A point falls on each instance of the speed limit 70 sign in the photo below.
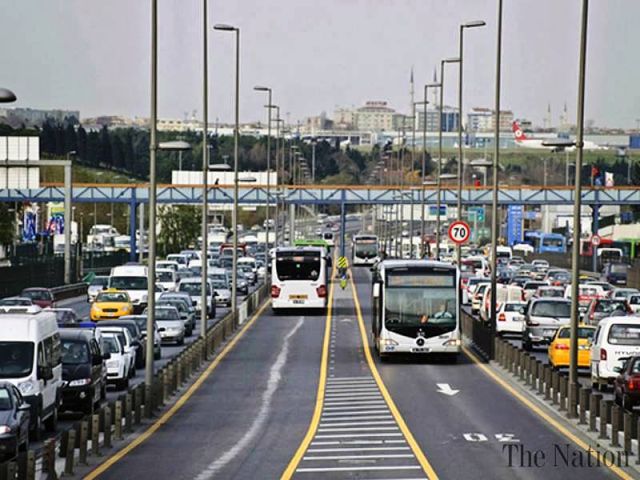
(459, 232)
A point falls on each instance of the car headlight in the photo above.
(112, 364)
(126, 308)
(5, 429)
(26, 388)
(81, 382)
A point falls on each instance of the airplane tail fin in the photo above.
(517, 132)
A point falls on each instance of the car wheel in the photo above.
(103, 391)
(181, 341)
(88, 407)
(51, 423)
(157, 355)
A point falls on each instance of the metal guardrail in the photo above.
(478, 333)
(69, 291)
(88, 438)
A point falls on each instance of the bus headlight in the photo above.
(454, 342)
(389, 342)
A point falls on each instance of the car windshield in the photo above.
(624, 334)
(178, 259)
(532, 285)
(551, 309)
(5, 399)
(173, 303)
(36, 294)
(618, 268)
(551, 292)
(99, 281)
(16, 301)
(583, 332)
(167, 314)
(609, 306)
(111, 344)
(164, 276)
(514, 307)
(16, 359)
(219, 284)
(74, 352)
(119, 297)
(129, 283)
(65, 316)
(193, 288)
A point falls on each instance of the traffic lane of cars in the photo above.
(456, 411)
(82, 307)
(249, 415)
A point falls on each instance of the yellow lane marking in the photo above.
(109, 462)
(537, 410)
(317, 412)
(417, 451)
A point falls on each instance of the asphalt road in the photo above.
(253, 413)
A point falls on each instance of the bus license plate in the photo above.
(420, 350)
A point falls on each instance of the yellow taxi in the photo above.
(110, 304)
(559, 346)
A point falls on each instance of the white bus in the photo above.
(365, 250)
(298, 278)
(415, 308)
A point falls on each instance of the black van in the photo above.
(83, 370)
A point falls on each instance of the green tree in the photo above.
(7, 225)
(179, 226)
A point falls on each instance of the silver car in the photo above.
(96, 285)
(544, 316)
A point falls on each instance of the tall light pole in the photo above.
(496, 165)
(236, 134)
(423, 171)
(474, 24)
(205, 170)
(439, 186)
(269, 108)
(577, 206)
(151, 314)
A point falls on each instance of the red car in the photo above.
(626, 386)
(39, 296)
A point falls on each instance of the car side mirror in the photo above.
(136, 343)
(24, 407)
(106, 356)
(161, 329)
(617, 369)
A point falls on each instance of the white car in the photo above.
(118, 363)
(181, 260)
(167, 278)
(616, 338)
(163, 264)
(129, 346)
(193, 286)
(170, 325)
(477, 297)
(511, 318)
(18, 305)
(634, 302)
(470, 287)
(504, 293)
(623, 293)
(541, 263)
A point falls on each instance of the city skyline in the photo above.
(52, 67)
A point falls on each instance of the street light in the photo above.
(439, 189)
(7, 96)
(472, 24)
(267, 216)
(236, 133)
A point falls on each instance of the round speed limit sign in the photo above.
(459, 232)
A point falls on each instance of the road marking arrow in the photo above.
(446, 389)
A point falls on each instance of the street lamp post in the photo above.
(439, 186)
(153, 145)
(269, 108)
(577, 206)
(474, 24)
(236, 133)
(496, 164)
(205, 170)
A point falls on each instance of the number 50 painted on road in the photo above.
(459, 232)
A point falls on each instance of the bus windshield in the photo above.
(366, 248)
(420, 301)
(298, 266)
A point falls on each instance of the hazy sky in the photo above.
(93, 55)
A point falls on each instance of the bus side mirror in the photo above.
(376, 290)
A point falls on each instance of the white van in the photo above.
(30, 358)
(504, 293)
(616, 339)
(133, 279)
(167, 278)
